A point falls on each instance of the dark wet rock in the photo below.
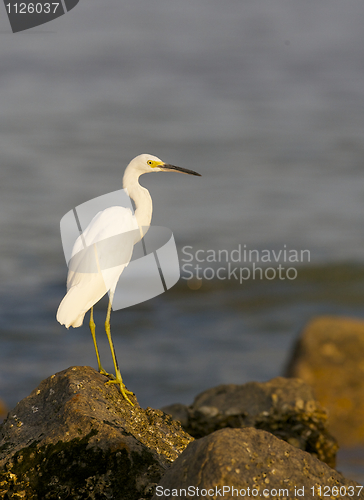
(285, 407)
(74, 437)
(256, 464)
(330, 357)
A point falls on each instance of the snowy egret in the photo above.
(84, 289)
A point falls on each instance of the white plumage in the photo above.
(84, 287)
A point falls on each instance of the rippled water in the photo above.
(264, 99)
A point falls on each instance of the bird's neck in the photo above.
(141, 198)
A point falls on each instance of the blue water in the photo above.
(263, 98)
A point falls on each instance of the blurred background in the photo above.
(265, 99)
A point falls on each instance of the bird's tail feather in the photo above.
(75, 304)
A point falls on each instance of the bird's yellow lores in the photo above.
(84, 289)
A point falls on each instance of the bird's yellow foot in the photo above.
(124, 391)
(104, 372)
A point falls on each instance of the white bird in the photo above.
(87, 280)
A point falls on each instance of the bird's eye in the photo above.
(150, 162)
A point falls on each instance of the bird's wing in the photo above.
(109, 240)
(95, 268)
(105, 224)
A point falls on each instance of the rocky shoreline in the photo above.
(76, 438)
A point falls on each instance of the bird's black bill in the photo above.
(173, 168)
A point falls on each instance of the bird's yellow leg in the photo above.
(93, 333)
(118, 380)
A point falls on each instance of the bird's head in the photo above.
(148, 163)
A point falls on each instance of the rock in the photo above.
(74, 437)
(285, 407)
(179, 412)
(330, 357)
(256, 464)
(3, 410)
